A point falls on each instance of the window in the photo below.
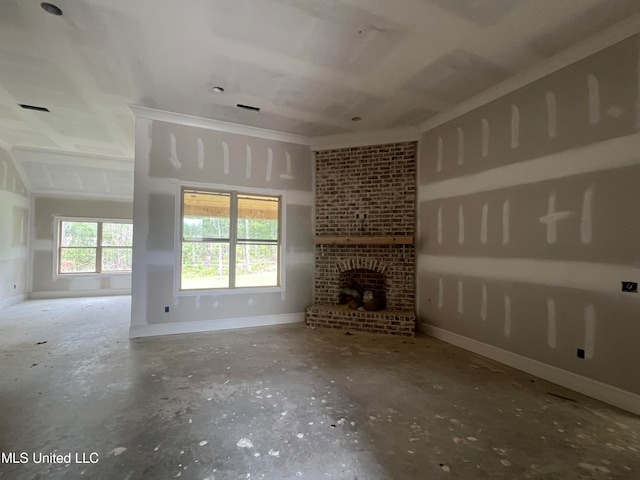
(229, 240)
(92, 246)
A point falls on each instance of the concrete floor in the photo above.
(282, 403)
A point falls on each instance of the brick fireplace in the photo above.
(365, 222)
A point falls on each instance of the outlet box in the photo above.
(166, 309)
(581, 353)
(630, 287)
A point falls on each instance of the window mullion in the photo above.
(60, 247)
(233, 239)
(99, 249)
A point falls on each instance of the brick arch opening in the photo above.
(363, 264)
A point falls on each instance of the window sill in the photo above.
(90, 274)
(228, 291)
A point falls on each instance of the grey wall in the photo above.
(528, 220)
(169, 156)
(14, 228)
(44, 282)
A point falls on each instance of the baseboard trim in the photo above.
(601, 391)
(7, 302)
(78, 293)
(138, 331)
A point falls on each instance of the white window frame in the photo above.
(57, 223)
(218, 188)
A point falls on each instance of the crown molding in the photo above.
(573, 54)
(220, 126)
(360, 139)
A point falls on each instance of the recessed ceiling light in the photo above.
(356, 119)
(51, 8)
(33, 107)
(217, 89)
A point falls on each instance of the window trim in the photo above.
(218, 188)
(57, 232)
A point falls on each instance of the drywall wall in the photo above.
(45, 283)
(14, 228)
(170, 156)
(528, 223)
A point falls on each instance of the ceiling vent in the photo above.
(33, 107)
(248, 107)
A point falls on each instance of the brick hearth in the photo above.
(341, 316)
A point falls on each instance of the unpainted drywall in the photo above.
(198, 155)
(14, 221)
(44, 282)
(583, 104)
(547, 323)
(528, 223)
(567, 218)
(170, 156)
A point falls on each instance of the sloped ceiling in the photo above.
(310, 65)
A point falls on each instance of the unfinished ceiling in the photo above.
(309, 65)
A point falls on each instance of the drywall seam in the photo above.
(515, 126)
(571, 55)
(507, 315)
(615, 153)
(460, 224)
(599, 277)
(137, 331)
(552, 325)
(586, 228)
(485, 137)
(601, 391)
(483, 305)
(593, 87)
(552, 114)
(460, 146)
(484, 223)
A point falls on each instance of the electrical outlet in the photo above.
(630, 287)
(580, 353)
(166, 309)
(357, 216)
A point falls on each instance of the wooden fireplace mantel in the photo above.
(364, 240)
